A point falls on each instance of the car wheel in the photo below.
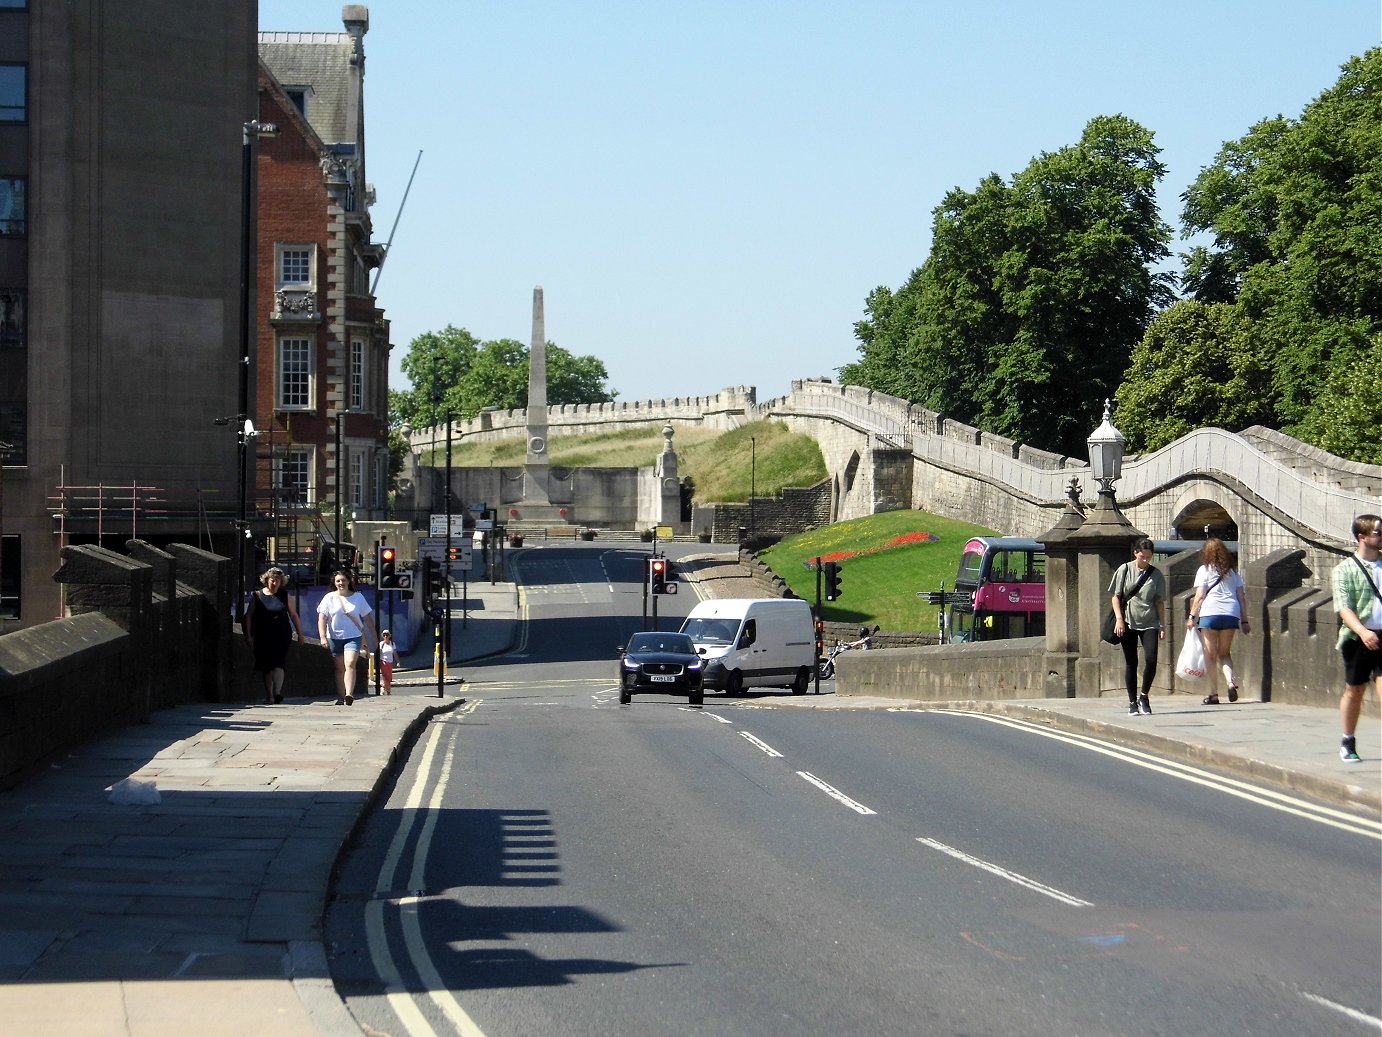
(624, 696)
(802, 680)
(734, 683)
(698, 697)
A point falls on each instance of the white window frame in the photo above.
(282, 251)
(299, 459)
(282, 373)
(357, 478)
(357, 374)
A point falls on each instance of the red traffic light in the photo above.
(387, 554)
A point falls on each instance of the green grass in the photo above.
(878, 588)
(722, 466)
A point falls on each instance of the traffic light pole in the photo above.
(820, 627)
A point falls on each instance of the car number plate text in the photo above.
(661, 678)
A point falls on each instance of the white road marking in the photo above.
(1324, 815)
(1352, 1013)
(761, 744)
(403, 1003)
(835, 793)
(1004, 873)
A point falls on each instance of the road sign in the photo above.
(437, 525)
(435, 549)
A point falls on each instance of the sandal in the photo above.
(1233, 693)
(1210, 700)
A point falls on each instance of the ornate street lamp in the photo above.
(1106, 447)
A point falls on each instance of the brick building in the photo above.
(322, 342)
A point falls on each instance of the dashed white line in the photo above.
(835, 793)
(1352, 1013)
(1004, 873)
(761, 744)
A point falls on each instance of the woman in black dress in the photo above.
(271, 621)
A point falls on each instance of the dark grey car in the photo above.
(663, 663)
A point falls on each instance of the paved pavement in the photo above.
(202, 914)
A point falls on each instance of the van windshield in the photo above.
(708, 631)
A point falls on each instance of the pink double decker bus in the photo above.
(1000, 591)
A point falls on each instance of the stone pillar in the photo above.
(211, 576)
(1081, 554)
(668, 510)
(536, 465)
(121, 589)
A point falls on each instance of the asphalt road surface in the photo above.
(551, 862)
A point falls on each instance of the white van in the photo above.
(754, 643)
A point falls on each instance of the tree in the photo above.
(1295, 213)
(1197, 365)
(1022, 319)
(453, 373)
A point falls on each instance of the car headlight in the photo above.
(629, 664)
(695, 666)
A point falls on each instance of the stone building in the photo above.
(323, 343)
(120, 226)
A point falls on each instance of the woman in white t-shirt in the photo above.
(342, 620)
(1219, 608)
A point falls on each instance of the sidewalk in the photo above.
(202, 914)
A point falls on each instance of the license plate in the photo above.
(660, 678)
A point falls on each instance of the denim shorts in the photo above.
(350, 644)
(1218, 622)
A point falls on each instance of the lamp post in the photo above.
(252, 131)
(1106, 447)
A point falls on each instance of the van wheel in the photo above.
(802, 680)
(734, 683)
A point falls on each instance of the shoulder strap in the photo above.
(1371, 582)
(1146, 575)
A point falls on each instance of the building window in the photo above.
(295, 476)
(295, 266)
(294, 374)
(14, 102)
(298, 95)
(10, 576)
(357, 478)
(357, 375)
(13, 222)
(11, 318)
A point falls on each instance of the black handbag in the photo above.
(1111, 619)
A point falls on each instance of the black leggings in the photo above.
(1150, 640)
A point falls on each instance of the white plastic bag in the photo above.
(1190, 664)
(133, 792)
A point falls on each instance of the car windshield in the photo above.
(711, 631)
(667, 642)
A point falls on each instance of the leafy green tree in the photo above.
(1023, 316)
(1294, 209)
(454, 373)
(1197, 365)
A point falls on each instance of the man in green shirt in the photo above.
(1357, 586)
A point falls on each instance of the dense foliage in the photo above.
(1284, 323)
(453, 373)
(1022, 319)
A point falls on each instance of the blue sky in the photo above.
(707, 191)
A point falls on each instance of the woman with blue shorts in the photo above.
(342, 620)
(1219, 608)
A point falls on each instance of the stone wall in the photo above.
(147, 630)
(945, 673)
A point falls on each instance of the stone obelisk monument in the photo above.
(537, 470)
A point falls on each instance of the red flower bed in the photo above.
(904, 540)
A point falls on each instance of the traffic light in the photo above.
(669, 577)
(833, 581)
(386, 567)
(454, 554)
(820, 638)
(657, 575)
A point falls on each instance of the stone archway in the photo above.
(1200, 518)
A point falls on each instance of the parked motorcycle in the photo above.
(865, 642)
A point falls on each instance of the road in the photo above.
(551, 862)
